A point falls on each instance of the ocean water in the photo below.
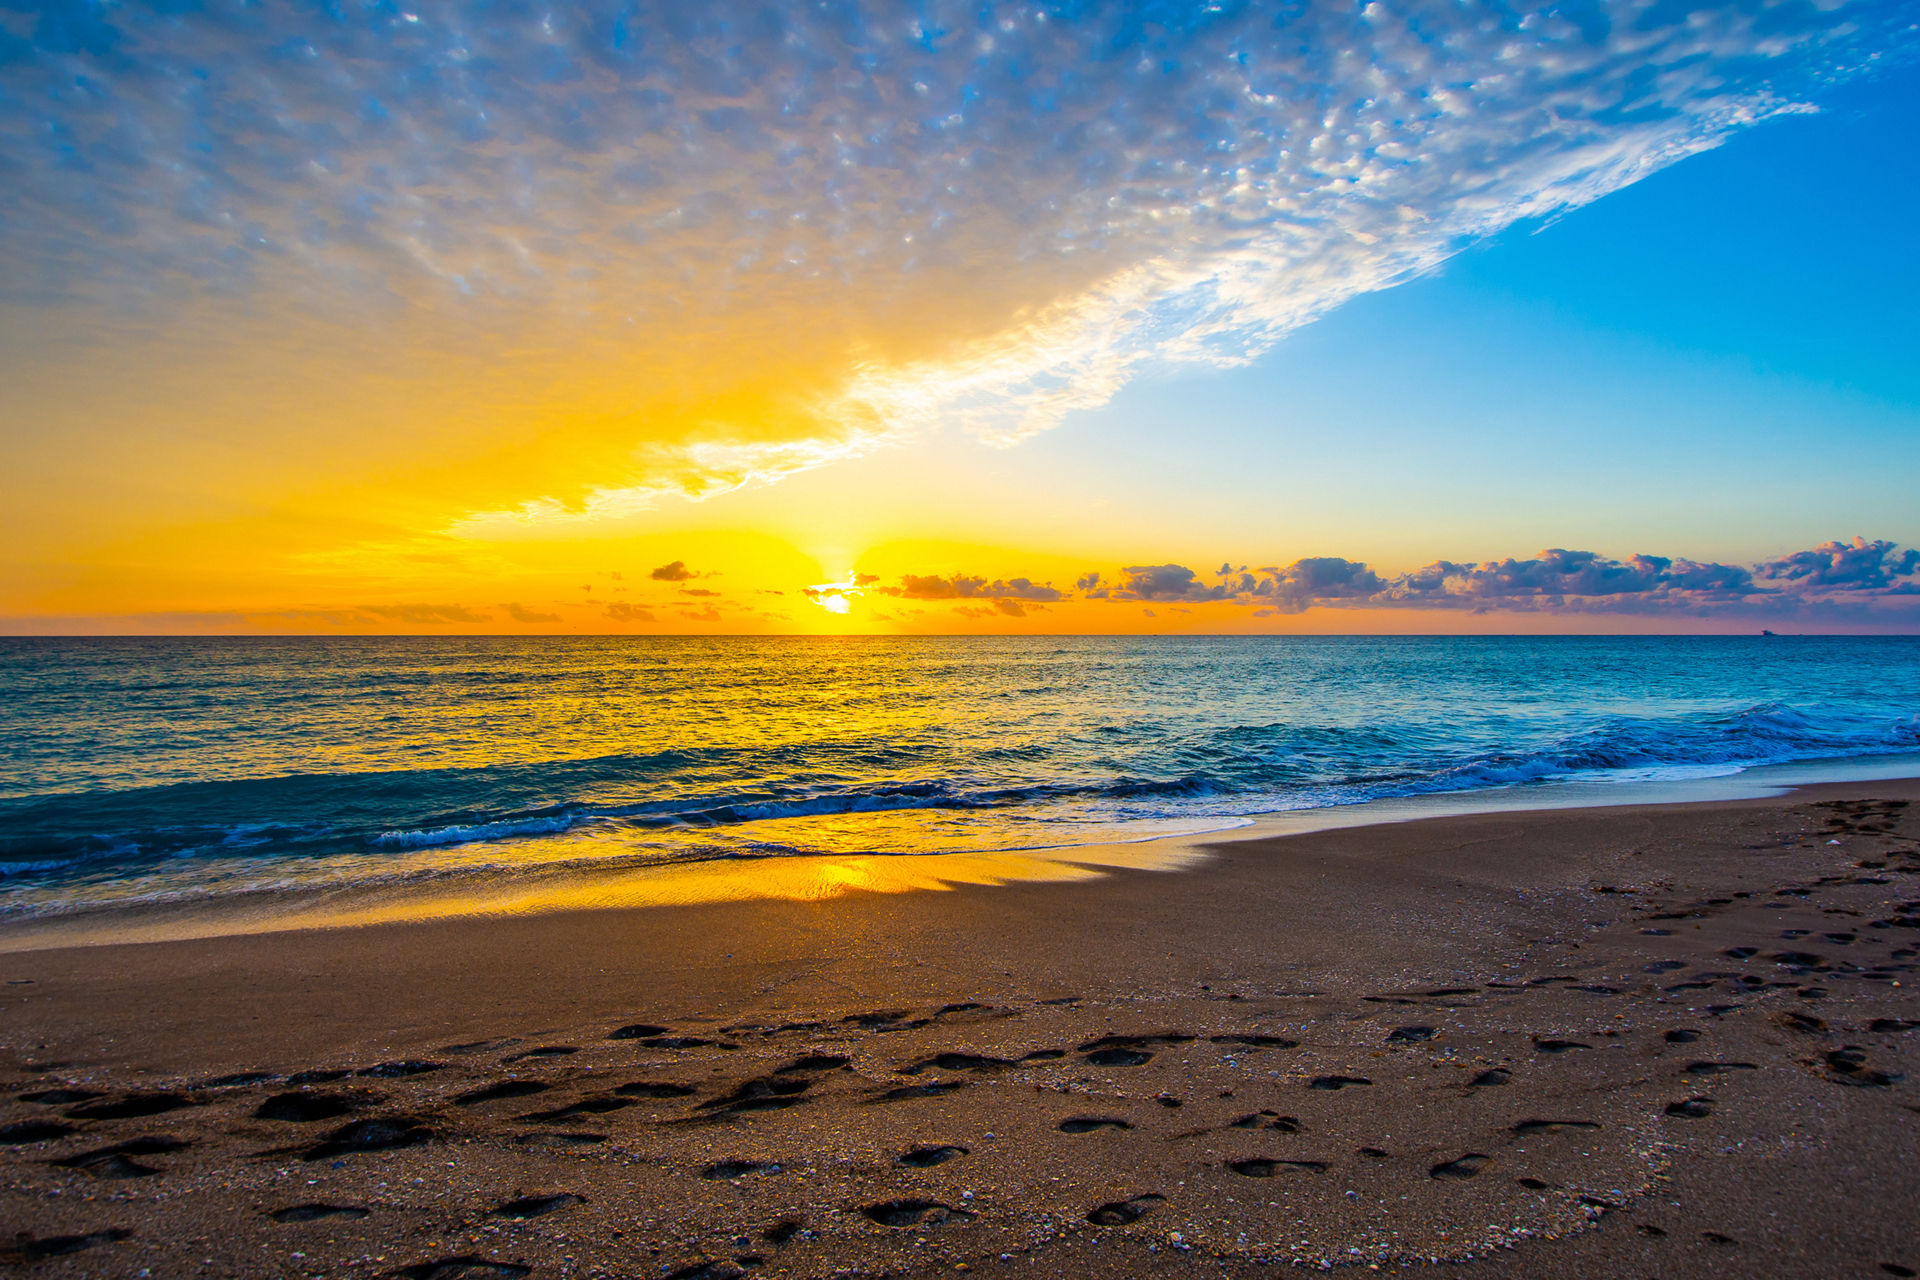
(143, 770)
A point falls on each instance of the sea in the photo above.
(149, 770)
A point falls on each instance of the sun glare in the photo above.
(836, 597)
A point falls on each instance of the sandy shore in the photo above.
(1659, 1041)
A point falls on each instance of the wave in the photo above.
(1228, 770)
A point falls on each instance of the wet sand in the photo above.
(1657, 1041)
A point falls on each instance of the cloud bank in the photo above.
(983, 216)
(1859, 580)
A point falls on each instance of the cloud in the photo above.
(621, 611)
(697, 591)
(521, 614)
(1858, 565)
(705, 614)
(985, 216)
(1166, 582)
(960, 586)
(675, 572)
(1837, 576)
(424, 613)
(1305, 583)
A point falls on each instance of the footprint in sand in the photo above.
(560, 1139)
(932, 1089)
(914, 1213)
(130, 1107)
(957, 1062)
(928, 1157)
(1527, 1128)
(116, 1161)
(595, 1106)
(770, 1094)
(1128, 1051)
(636, 1031)
(713, 1270)
(655, 1089)
(1849, 1066)
(544, 1051)
(315, 1211)
(537, 1206)
(67, 1097)
(384, 1133)
(1091, 1124)
(400, 1070)
(465, 1268)
(305, 1108)
(1558, 1046)
(1466, 1166)
(1120, 1213)
(318, 1075)
(727, 1170)
(1260, 1167)
(23, 1132)
(1119, 1058)
(497, 1092)
(25, 1248)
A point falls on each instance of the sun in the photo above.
(836, 597)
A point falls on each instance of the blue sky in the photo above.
(1722, 358)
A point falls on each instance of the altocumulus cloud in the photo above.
(983, 214)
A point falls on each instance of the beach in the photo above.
(1648, 1040)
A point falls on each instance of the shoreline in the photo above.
(576, 886)
(1504, 984)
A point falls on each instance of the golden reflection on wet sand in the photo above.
(795, 879)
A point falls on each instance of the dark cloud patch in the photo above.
(697, 591)
(621, 611)
(520, 613)
(1858, 565)
(1560, 574)
(1858, 575)
(424, 613)
(914, 586)
(1169, 582)
(675, 572)
(1316, 580)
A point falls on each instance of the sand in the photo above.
(1657, 1041)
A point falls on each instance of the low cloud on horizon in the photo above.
(1871, 580)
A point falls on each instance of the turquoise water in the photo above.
(170, 769)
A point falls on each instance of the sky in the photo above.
(927, 318)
